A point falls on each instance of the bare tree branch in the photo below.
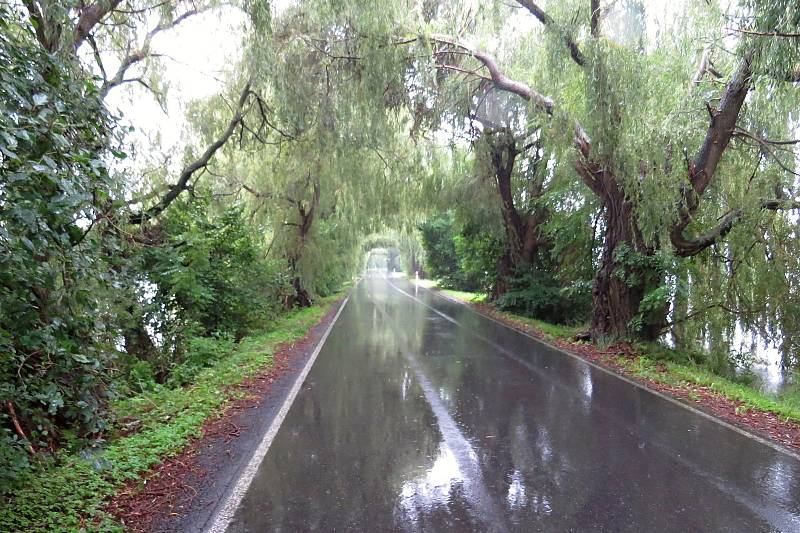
(143, 52)
(499, 79)
(705, 67)
(775, 33)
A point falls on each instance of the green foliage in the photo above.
(537, 294)
(478, 252)
(201, 352)
(442, 259)
(321, 164)
(57, 253)
(646, 272)
(209, 273)
(71, 495)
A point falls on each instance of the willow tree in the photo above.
(681, 141)
(329, 165)
(652, 136)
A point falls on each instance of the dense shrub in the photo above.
(56, 249)
(442, 259)
(478, 254)
(537, 294)
(466, 257)
(210, 274)
(207, 279)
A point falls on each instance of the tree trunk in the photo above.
(614, 302)
(301, 297)
(523, 231)
(505, 271)
(627, 273)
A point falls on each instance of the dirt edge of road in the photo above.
(762, 424)
(180, 493)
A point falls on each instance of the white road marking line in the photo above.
(777, 447)
(224, 516)
(776, 515)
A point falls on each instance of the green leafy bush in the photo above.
(201, 352)
(439, 238)
(57, 251)
(210, 276)
(537, 294)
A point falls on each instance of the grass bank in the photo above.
(657, 364)
(70, 494)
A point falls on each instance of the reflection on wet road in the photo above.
(420, 415)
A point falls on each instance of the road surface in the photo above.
(421, 415)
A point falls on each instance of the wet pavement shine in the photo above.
(421, 415)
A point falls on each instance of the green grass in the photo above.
(464, 295)
(785, 405)
(427, 283)
(548, 330)
(70, 495)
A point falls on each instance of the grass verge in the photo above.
(464, 295)
(71, 495)
(547, 330)
(786, 405)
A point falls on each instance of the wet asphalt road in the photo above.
(420, 415)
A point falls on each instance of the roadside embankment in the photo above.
(139, 474)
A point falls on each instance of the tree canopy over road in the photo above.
(624, 164)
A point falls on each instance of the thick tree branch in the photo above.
(720, 131)
(687, 247)
(574, 51)
(47, 36)
(705, 67)
(499, 79)
(183, 180)
(594, 19)
(89, 17)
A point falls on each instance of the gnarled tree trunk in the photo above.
(301, 297)
(627, 271)
(523, 230)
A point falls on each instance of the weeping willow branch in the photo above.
(143, 52)
(498, 77)
(687, 247)
(188, 171)
(574, 50)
